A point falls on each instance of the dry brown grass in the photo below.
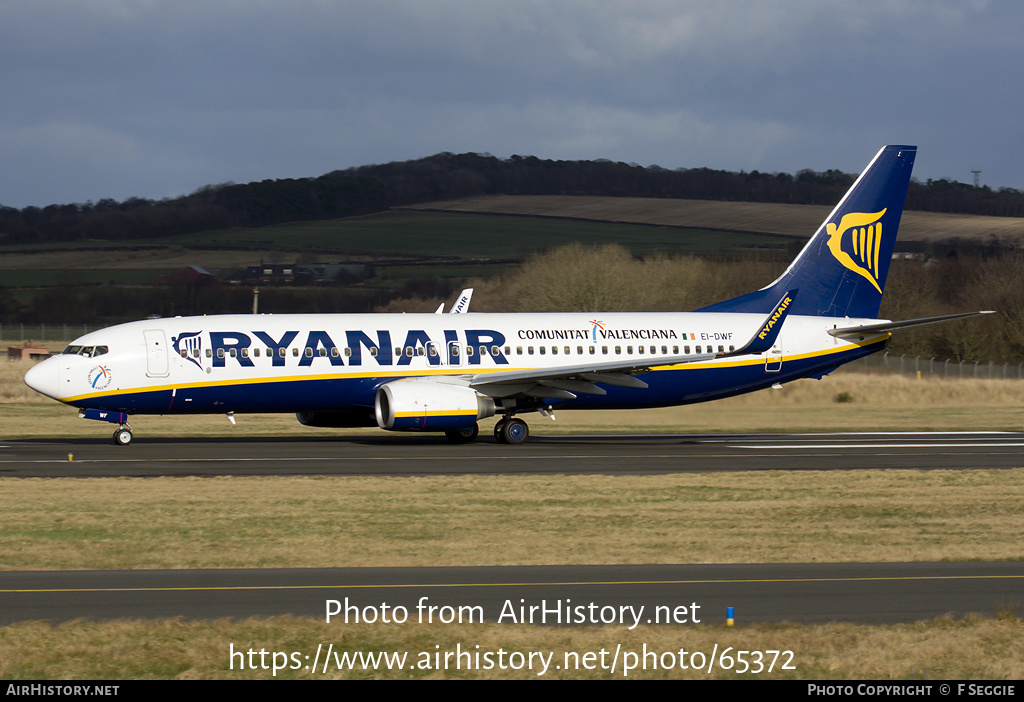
(980, 649)
(467, 520)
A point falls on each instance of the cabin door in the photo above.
(157, 365)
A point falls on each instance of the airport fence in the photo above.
(43, 333)
(887, 362)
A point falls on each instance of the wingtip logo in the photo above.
(779, 309)
(862, 254)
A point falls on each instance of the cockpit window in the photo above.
(87, 351)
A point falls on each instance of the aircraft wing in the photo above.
(564, 381)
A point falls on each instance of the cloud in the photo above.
(174, 94)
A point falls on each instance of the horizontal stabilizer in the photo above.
(847, 332)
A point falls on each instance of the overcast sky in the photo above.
(156, 98)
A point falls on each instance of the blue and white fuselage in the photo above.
(444, 372)
(330, 363)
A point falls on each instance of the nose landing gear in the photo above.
(123, 435)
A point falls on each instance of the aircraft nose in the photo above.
(44, 378)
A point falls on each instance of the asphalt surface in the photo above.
(867, 593)
(686, 594)
(389, 454)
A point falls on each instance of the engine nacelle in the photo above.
(423, 404)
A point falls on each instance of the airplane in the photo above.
(445, 372)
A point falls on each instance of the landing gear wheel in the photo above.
(499, 431)
(123, 437)
(515, 431)
(462, 436)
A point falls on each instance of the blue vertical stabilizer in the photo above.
(842, 270)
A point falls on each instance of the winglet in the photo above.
(462, 304)
(769, 330)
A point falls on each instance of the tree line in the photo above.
(375, 188)
(608, 278)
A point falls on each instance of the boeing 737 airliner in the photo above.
(444, 372)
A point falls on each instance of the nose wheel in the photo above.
(123, 435)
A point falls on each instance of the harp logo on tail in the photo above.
(859, 251)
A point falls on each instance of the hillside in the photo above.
(764, 218)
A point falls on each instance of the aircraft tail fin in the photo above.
(841, 272)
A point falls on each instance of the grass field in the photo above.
(756, 517)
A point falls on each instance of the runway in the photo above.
(864, 593)
(870, 593)
(389, 454)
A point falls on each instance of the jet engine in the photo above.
(424, 404)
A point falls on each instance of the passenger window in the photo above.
(543, 350)
(529, 350)
(495, 351)
(592, 350)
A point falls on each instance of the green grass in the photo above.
(452, 235)
(45, 277)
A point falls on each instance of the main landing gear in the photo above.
(463, 436)
(511, 430)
